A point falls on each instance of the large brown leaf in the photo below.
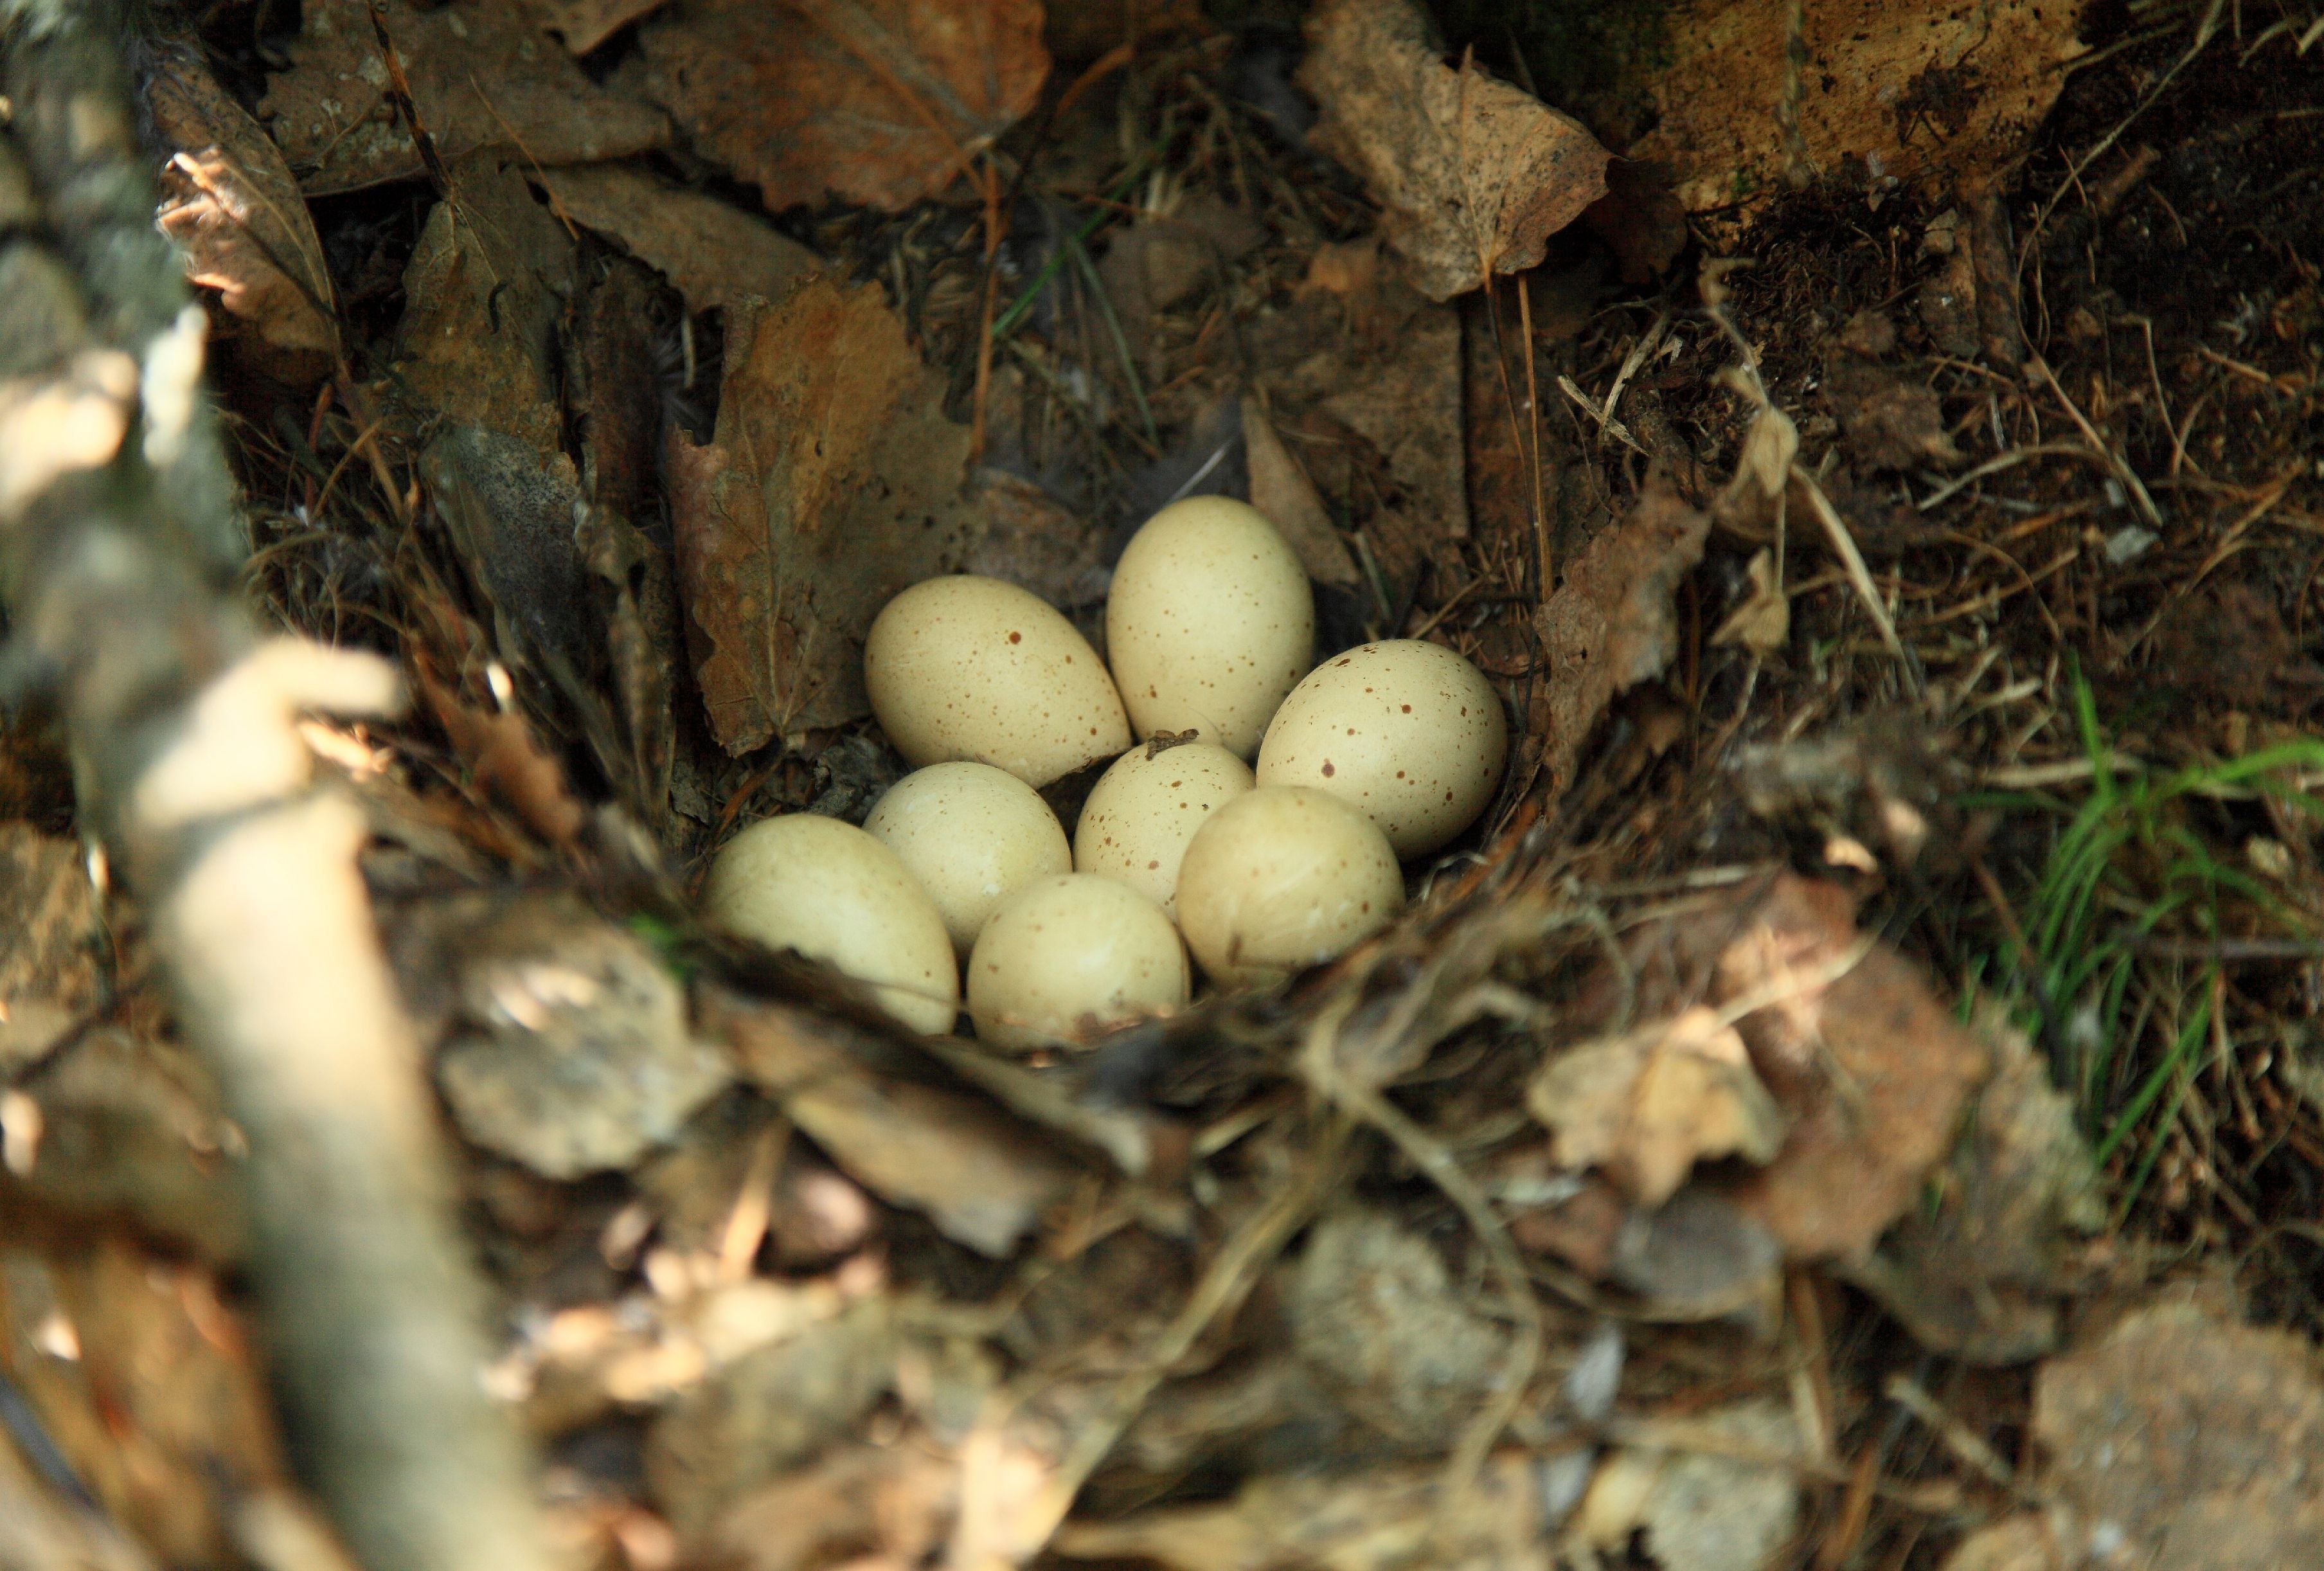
(1612, 623)
(712, 252)
(880, 102)
(231, 204)
(483, 74)
(834, 481)
(1473, 175)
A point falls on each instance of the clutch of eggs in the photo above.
(1385, 751)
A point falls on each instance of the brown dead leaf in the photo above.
(570, 1053)
(713, 254)
(2182, 1440)
(486, 285)
(767, 1412)
(874, 1508)
(132, 1129)
(1612, 623)
(483, 74)
(501, 753)
(1280, 489)
(584, 24)
(1890, 420)
(50, 928)
(1473, 175)
(1376, 1520)
(156, 1407)
(1700, 1507)
(1361, 377)
(231, 204)
(1646, 1106)
(981, 1180)
(833, 483)
(1640, 221)
(877, 102)
(1979, 1275)
(1871, 1066)
(1024, 536)
(2018, 1543)
(1921, 87)
(1377, 1323)
(1761, 623)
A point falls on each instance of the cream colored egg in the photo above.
(1066, 957)
(831, 891)
(1283, 878)
(968, 668)
(1210, 622)
(1141, 813)
(970, 834)
(1409, 732)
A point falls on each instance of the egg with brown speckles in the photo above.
(1408, 732)
(1211, 620)
(1283, 878)
(1069, 958)
(831, 891)
(971, 668)
(972, 835)
(1141, 815)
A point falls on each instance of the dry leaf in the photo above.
(129, 1129)
(876, 102)
(1872, 1067)
(1023, 535)
(486, 286)
(870, 1507)
(1380, 1520)
(1362, 378)
(1612, 624)
(230, 203)
(482, 75)
(501, 753)
(584, 24)
(1646, 1106)
(833, 483)
(1763, 623)
(159, 1410)
(1923, 88)
(2184, 1441)
(1375, 1322)
(2019, 1543)
(767, 1412)
(1473, 175)
(1280, 489)
(981, 1180)
(713, 253)
(50, 933)
(1890, 420)
(1978, 1274)
(570, 1052)
(1699, 1509)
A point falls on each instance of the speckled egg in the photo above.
(1141, 815)
(970, 668)
(971, 834)
(1066, 958)
(1408, 732)
(831, 891)
(1283, 878)
(1211, 620)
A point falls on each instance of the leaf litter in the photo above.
(1513, 1241)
